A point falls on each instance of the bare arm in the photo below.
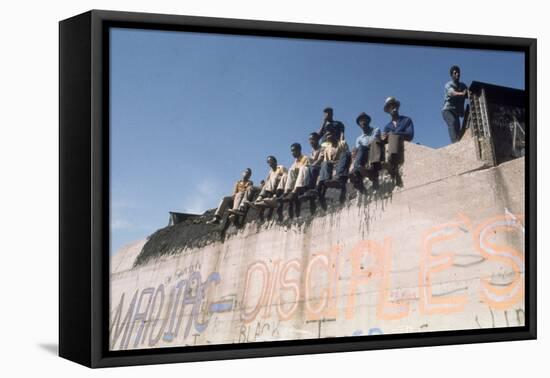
(451, 92)
(454, 93)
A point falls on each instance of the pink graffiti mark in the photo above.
(501, 297)
(362, 275)
(326, 299)
(431, 264)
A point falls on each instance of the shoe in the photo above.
(342, 197)
(360, 187)
(245, 204)
(215, 220)
(376, 184)
(235, 212)
(398, 181)
(256, 203)
(270, 202)
(259, 204)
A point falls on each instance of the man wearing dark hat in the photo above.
(329, 124)
(241, 193)
(363, 145)
(456, 93)
(399, 125)
(400, 128)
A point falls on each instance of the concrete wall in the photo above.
(445, 252)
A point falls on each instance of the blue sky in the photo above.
(190, 111)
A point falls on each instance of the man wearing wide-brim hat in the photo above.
(400, 128)
(364, 145)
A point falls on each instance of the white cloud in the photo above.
(120, 204)
(205, 195)
(121, 224)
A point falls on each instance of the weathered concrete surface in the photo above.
(445, 252)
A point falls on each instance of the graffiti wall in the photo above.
(446, 255)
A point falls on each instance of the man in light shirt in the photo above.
(269, 190)
(294, 182)
(241, 193)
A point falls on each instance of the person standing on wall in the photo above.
(456, 93)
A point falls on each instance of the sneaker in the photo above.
(215, 220)
(270, 202)
(398, 181)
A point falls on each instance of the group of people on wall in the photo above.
(331, 163)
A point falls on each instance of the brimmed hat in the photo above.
(363, 115)
(389, 101)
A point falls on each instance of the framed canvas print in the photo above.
(234, 188)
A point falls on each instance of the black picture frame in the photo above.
(84, 188)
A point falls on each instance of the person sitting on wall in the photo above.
(269, 193)
(314, 166)
(367, 150)
(400, 128)
(294, 182)
(241, 193)
(328, 123)
(456, 93)
(335, 161)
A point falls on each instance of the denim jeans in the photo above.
(326, 171)
(341, 166)
(311, 177)
(453, 124)
(361, 158)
